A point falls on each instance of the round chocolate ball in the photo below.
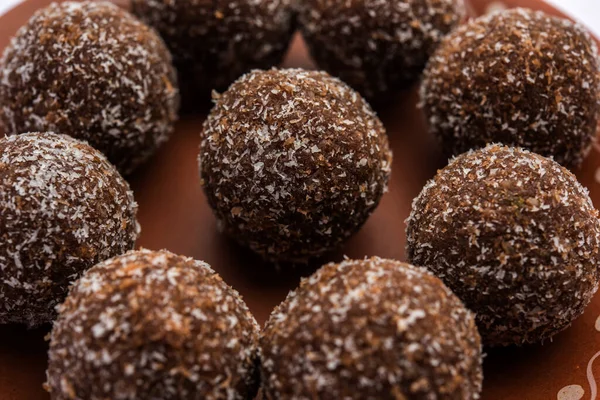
(92, 71)
(215, 42)
(377, 47)
(63, 208)
(517, 77)
(153, 325)
(515, 236)
(293, 162)
(371, 329)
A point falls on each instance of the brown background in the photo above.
(174, 215)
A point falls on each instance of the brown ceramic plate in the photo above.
(174, 215)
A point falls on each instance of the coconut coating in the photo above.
(92, 71)
(153, 325)
(293, 162)
(515, 236)
(215, 42)
(63, 208)
(376, 46)
(517, 77)
(371, 329)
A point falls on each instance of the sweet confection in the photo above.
(215, 42)
(515, 236)
(517, 77)
(293, 162)
(63, 208)
(92, 71)
(371, 329)
(153, 325)
(377, 47)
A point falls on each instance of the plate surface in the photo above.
(174, 215)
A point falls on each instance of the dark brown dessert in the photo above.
(377, 47)
(215, 42)
(371, 329)
(63, 208)
(92, 71)
(515, 236)
(293, 162)
(517, 77)
(153, 325)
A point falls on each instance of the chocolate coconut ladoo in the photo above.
(153, 325)
(94, 72)
(377, 47)
(518, 77)
(293, 162)
(515, 236)
(371, 329)
(215, 42)
(63, 208)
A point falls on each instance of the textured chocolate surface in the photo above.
(518, 77)
(215, 42)
(63, 208)
(515, 236)
(371, 329)
(293, 162)
(94, 72)
(153, 325)
(376, 46)
(175, 215)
